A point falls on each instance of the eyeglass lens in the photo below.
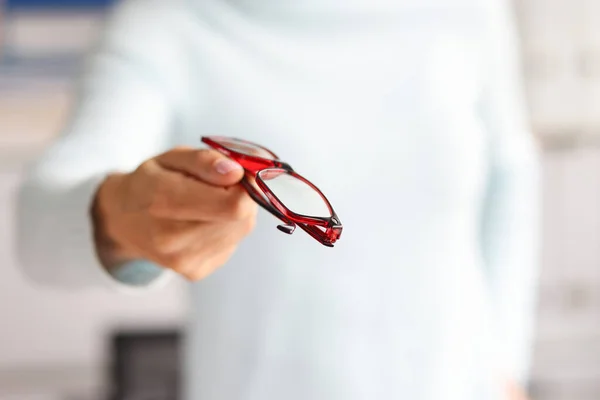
(298, 196)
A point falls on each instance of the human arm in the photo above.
(125, 116)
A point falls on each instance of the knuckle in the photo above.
(145, 167)
(148, 189)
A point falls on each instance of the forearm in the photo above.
(61, 244)
(122, 117)
(54, 232)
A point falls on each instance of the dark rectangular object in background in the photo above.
(145, 365)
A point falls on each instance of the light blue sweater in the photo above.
(408, 114)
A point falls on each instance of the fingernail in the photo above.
(225, 166)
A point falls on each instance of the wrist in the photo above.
(110, 248)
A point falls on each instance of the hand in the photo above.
(181, 210)
(514, 392)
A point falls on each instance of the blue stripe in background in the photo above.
(57, 4)
(16, 68)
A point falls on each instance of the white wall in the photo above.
(561, 54)
(567, 361)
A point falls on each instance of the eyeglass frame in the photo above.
(253, 166)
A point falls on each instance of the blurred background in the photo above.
(56, 345)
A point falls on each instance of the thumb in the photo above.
(209, 166)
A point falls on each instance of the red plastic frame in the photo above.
(326, 230)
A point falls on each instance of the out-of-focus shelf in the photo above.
(52, 382)
(40, 54)
(567, 138)
(18, 72)
(32, 115)
(47, 32)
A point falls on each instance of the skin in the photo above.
(182, 210)
(514, 392)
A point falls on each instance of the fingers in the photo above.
(202, 263)
(209, 166)
(182, 210)
(180, 197)
(195, 252)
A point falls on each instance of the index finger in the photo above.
(183, 198)
(209, 166)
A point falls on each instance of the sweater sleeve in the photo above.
(510, 217)
(124, 115)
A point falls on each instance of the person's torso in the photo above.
(379, 111)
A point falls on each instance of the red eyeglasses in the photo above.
(275, 186)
